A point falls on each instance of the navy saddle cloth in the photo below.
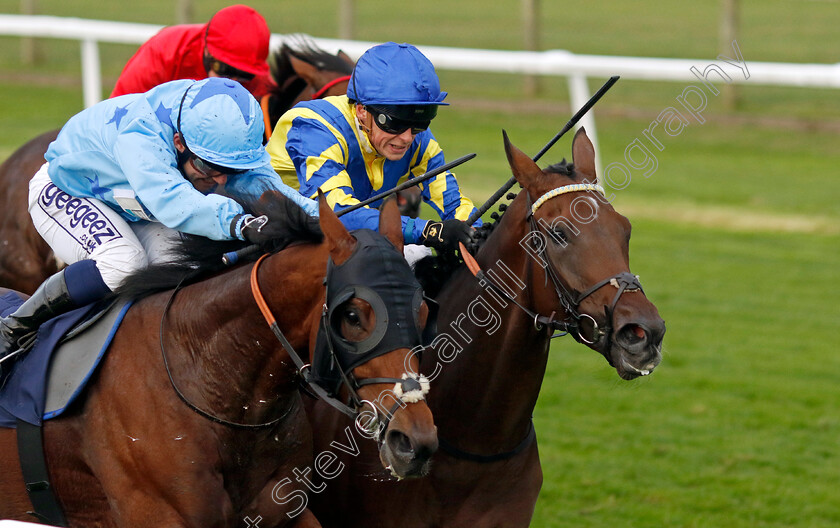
(46, 380)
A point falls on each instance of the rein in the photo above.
(408, 386)
(213, 418)
(302, 368)
(623, 282)
(320, 94)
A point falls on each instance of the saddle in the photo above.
(47, 379)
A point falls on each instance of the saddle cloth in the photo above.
(48, 378)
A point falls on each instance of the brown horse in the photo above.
(302, 72)
(134, 453)
(25, 259)
(567, 267)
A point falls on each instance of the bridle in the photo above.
(569, 300)
(410, 388)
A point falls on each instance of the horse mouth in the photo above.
(404, 469)
(637, 349)
(629, 372)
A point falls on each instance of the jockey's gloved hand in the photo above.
(253, 229)
(444, 236)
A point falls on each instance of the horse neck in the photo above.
(226, 354)
(496, 377)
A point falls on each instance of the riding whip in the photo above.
(572, 122)
(233, 257)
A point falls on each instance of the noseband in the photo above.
(623, 282)
(570, 301)
(373, 273)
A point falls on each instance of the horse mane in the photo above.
(195, 257)
(288, 84)
(302, 47)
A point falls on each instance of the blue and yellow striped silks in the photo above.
(317, 145)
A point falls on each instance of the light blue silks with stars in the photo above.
(126, 144)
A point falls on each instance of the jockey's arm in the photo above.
(442, 193)
(163, 190)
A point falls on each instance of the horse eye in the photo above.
(352, 317)
(559, 236)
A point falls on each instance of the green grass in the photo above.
(739, 426)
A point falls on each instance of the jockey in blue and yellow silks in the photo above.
(355, 146)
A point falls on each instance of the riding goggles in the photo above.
(397, 125)
(211, 170)
(225, 70)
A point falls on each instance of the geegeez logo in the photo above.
(87, 224)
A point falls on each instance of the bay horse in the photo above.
(301, 71)
(557, 259)
(25, 259)
(199, 423)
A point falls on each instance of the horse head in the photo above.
(302, 71)
(582, 244)
(363, 350)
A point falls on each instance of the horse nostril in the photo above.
(632, 335)
(400, 444)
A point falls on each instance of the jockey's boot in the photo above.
(49, 300)
(76, 285)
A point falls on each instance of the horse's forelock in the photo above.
(564, 168)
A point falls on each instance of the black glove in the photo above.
(444, 236)
(252, 229)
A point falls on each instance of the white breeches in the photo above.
(86, 228)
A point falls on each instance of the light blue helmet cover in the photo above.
(222, 123)
(395, 74)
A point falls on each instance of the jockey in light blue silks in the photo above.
(124, 176)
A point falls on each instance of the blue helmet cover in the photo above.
(395, 74)
(222, 123)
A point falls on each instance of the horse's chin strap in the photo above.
(409, 389)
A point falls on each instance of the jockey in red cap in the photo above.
(234, 44)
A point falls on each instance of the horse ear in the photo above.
(345, 57)
(390, 223)
(526, 172)
(339, 240)
(307, 72)
(583, 155)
